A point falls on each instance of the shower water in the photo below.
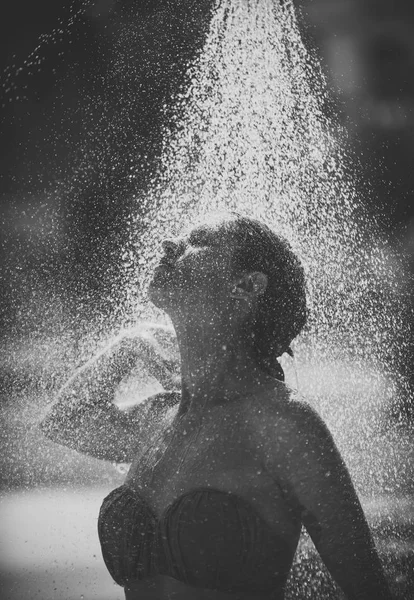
(251, 134)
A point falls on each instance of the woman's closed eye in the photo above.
(200, 238)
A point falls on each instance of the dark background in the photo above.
(83, 90)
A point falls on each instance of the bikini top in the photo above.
(206, 538)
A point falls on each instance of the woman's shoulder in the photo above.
(149, 418)
(156, 406)
(284, 408)
(285, 429)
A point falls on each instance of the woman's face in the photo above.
(195, 272)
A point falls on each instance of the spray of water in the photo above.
(251, 134)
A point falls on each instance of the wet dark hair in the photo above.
(281, 311)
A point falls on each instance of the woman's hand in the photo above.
(149, 346)
(153, 345)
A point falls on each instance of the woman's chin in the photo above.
(158, 295)
(154, 294)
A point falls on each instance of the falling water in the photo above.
(251, 134)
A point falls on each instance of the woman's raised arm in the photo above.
(307, 464)
(84, 416)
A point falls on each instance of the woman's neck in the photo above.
(216, 365)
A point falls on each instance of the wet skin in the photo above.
(217, 451)
(236, 428)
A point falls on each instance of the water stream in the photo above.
(252, 134)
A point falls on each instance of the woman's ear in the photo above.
(250, 286)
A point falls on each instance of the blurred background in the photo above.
(85, 93)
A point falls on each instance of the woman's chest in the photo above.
(193, 452)
(218, 455)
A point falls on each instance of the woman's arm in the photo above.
(84, 416)
(306, 463)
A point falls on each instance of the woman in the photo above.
(224, 474)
